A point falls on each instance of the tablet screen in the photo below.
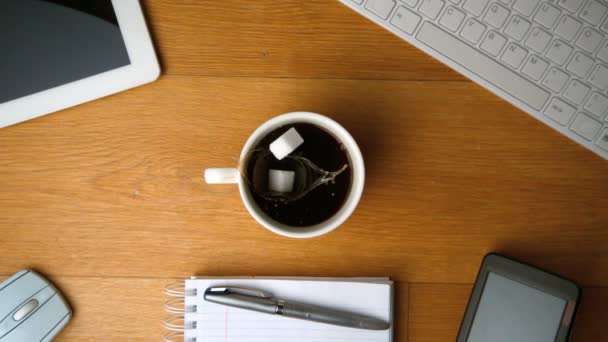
(48, 43)
(510, 311)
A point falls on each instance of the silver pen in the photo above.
(260, 301)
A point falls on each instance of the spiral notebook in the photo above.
(195, 320)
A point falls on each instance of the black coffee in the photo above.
(321, 163)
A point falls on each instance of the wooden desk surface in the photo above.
(107, 198)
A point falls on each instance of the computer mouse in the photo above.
(31, 309)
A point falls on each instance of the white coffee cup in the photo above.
(233, 176)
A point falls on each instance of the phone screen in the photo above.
(511, 311)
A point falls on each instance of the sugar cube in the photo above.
(280, 180)
(286, 143)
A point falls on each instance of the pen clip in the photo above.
(238, 290)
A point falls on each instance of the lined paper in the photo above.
(218, 323)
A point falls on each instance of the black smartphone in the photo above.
(513, 301)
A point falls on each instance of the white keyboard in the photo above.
(547, 57)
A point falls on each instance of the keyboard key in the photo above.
(603, 53)
(568, 27)
(555, 79)
(493, 43)
(526, 7)
(559, 52)
(589, 40)
(560, 111)
(523, 71)
(496, 15)
(483, 66)
(602, 141)
(535, 67)
(547, 15)
(514, 55)
(576, 92)
(593, 12)
(517, 27)
(473, 30)
(476, 6)
(599, 77)
(580, 65)
(586, 126)
(597, 104)
(571, 5)
(538, 40)
(405, 20)
(431, 8)
(452, 18)
(381, 8)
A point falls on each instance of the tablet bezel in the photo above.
(144, 68)
(530, 276)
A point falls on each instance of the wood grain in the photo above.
(289, 38)
(107, 198)
(110, 309)
(114, 188)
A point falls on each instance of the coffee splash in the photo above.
(308, 176)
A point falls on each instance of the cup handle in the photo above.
(222, 176)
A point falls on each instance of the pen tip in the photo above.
(374, 324)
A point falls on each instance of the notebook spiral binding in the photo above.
(176, 323)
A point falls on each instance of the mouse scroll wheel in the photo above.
(25, 310)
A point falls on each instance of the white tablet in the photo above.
(56, 54)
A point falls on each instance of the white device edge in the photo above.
(144, 68)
